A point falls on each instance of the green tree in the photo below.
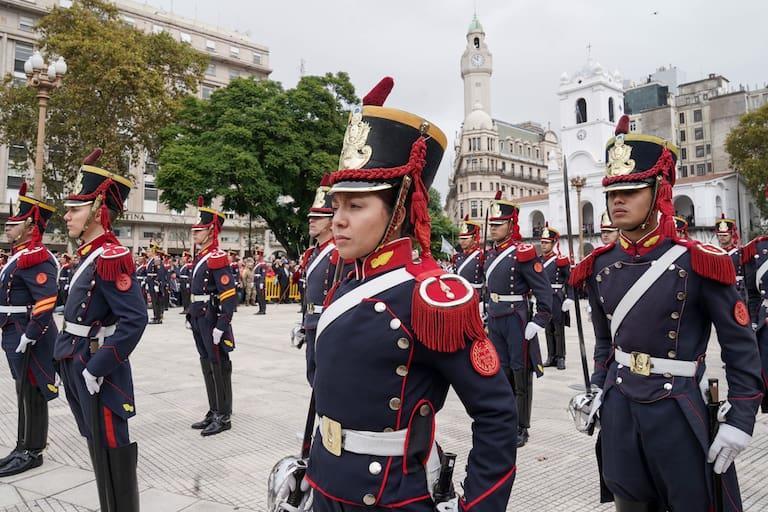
(747, 144)
(121, 88)
(254, 142)
(441, 225)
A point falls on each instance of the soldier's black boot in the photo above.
(523, 385)
(210, 390)
(551, 359)
(623, 505)
(35, 435)
(101, 476)
(221, 420)
(560, 347)
(125, 485)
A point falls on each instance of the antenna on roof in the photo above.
(302, 67)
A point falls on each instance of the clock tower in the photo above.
(476, 69)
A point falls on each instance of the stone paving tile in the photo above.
(178, 468)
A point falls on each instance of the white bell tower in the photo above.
(476, 69)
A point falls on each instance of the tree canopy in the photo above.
(441, 225)
(253, 143)
(121, 88)
(747, 145)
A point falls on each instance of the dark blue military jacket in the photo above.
(376, 373)
(318, 276)
(735, 254)
(558, 270)
(212, 276)
(755, 262)
(29, 280)
(156, 275)
(185, 274)
(469, 265)
(104, 292)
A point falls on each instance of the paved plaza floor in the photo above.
(181, 471)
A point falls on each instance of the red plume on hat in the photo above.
(378, 95)
(325, 181)
(200, 201)
(93, 157)
(34, 214)
(498, 195)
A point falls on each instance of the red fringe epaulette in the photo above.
(525, 252)
(583, 270)
(750, 250)
(304, 260)
(562, 261)
(445, 311)
(116, 260)
(710, 261)
(218, 259)
(32, 257)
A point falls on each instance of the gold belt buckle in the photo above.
(331, 432)
(640, 363)
(495, 297)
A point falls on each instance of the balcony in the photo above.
(517, 176)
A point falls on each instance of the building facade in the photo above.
(492, 155)
(231, 54)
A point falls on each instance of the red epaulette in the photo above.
(32, 257)
(445, 309)
(525, 252)
(115, 261)
(584, 269)
(218, 259)
(562, 261)
(710, 261)
(750, 250)
(305, 258)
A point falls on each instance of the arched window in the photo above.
(477, 42)
(611, 116)
(581, 111)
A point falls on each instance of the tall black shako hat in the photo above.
(635, 161)
(207, 217)
(321, 206)
(102, 189)
(388, 148)
(549, 234)
(503, 211)
(469, 229)
(30, 210)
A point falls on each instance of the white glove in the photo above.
(157, 289)
(728, 444)
(92, 383)
(217, 334)
(532, 329)
(23, 342)
(567, 305)
(288, 486)
(261, 287)
(448, 506)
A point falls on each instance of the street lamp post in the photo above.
(578, 183)
(44, 79)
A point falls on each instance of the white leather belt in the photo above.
(314, 309)
(84, 331)
(495, 297)
(643, 364)
(152, 274)
(765, 303)
(556, 286)
(739, 278)
(200, 298)
(13, 309)
(379, 444)
(477, 285)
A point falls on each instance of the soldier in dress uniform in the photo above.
(654, 298)
(608, 232)
(65, 271)
(396, 333)
(468, 263)
(156, 277)
(28, 282)
(318, 268)
(754, 258)
(728, 237)
(513, 271)
(141, 275)
(185, 273)
(104, 319)
(260, 282)
(210, 314)
(681, 227)
(558, 269)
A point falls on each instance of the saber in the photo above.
(713, 406)
(579, 326)
(100, 460)
(24, 385)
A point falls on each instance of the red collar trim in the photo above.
(472, 248)
(643, 246)
(322, 246)
(729, 248)
(395, 254)
(97, 242)
(205, 250)
(505, 243)
(552, 255)
(19, 247)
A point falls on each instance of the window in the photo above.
(611, 115)
(538, 174)
(26, 24)
(150, 167)
(473, 209)
(476, 42)
(699, 151)
(65, 3)
(683, 171)
(682, 135)
(17, 163)
(211, 70)
(512, 191)
(207, 90)
(123, 232)
(234, 73)
(473, 187)
(503, 188)
(149, 235)
(257, 58)
(157, 29)
(697, 116)
(683, 154)
(22, 52)
(709, 167)
(234, 52)
(481, 186)
(698, 133)
(210, 45)
(129, 21)
(581, 111)
(682, 117)
(503, 166)
(461, 188)
(633, 125)
(185, 38)
(709, 149)
(701, 169)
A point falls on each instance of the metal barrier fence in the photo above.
(272, 289)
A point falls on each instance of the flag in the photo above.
(446, 247)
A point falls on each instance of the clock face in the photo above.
(477, 60)
(581, 134)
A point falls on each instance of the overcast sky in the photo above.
(419, 43)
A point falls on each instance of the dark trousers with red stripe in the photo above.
(114, 429)
(322, 504)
